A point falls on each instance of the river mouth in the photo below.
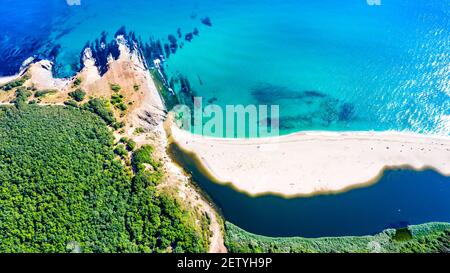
(399, 199)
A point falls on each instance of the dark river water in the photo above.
(399, 199)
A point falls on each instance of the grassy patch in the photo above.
(433, 237)
(170, 100)
(44, 93)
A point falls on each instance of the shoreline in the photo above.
(255, 166)
(6, 79)
(146, 110)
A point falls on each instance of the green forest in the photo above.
(62, 189)
(426, 238)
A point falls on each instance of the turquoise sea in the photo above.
(329, 65)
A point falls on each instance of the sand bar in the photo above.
(313, 162)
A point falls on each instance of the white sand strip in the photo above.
(314, 162)
(6, 79)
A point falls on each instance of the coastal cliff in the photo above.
(117, 76)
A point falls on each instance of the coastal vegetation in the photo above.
(170, 100)
(118, 101)
(78, 95)
(15, 83)
(101, 108)
(130, 144)
(77, 82)
(45, 92)
(426, 238)
(115, 87)
(22, 95)
(62, 188)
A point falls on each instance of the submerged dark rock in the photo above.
(152, 52)
(121, 31)
(101, 50)
(195, 32)
(173, 48)
(189, 37)
(269, 93)
(346, 112)
(172, 39)
(212, 100)
(54, 52)
(315, 108)
(207, 21)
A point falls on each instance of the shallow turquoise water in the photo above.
(369, 67)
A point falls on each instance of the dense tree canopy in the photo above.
(62, 189)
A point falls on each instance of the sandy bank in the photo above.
(6, 79)
(314, 162)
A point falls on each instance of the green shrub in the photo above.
(117, 101)
(15, 83)
(122, 106)
(71, 103)
(45, 92)
(121, 151)
(77, 82)
(115, 87)
(118, 125)
(22, 95)
(131, 144)
(144, 155)
(116, 98)
(139, 130)
(78, 95)
(100, 107)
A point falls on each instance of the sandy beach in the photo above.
(313, 162)
(6, 79)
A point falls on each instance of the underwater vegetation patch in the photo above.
(314, 107)
(269, 93)
(206, 21)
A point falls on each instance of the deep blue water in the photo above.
(399, 199)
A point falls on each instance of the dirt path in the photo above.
(150, 115)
